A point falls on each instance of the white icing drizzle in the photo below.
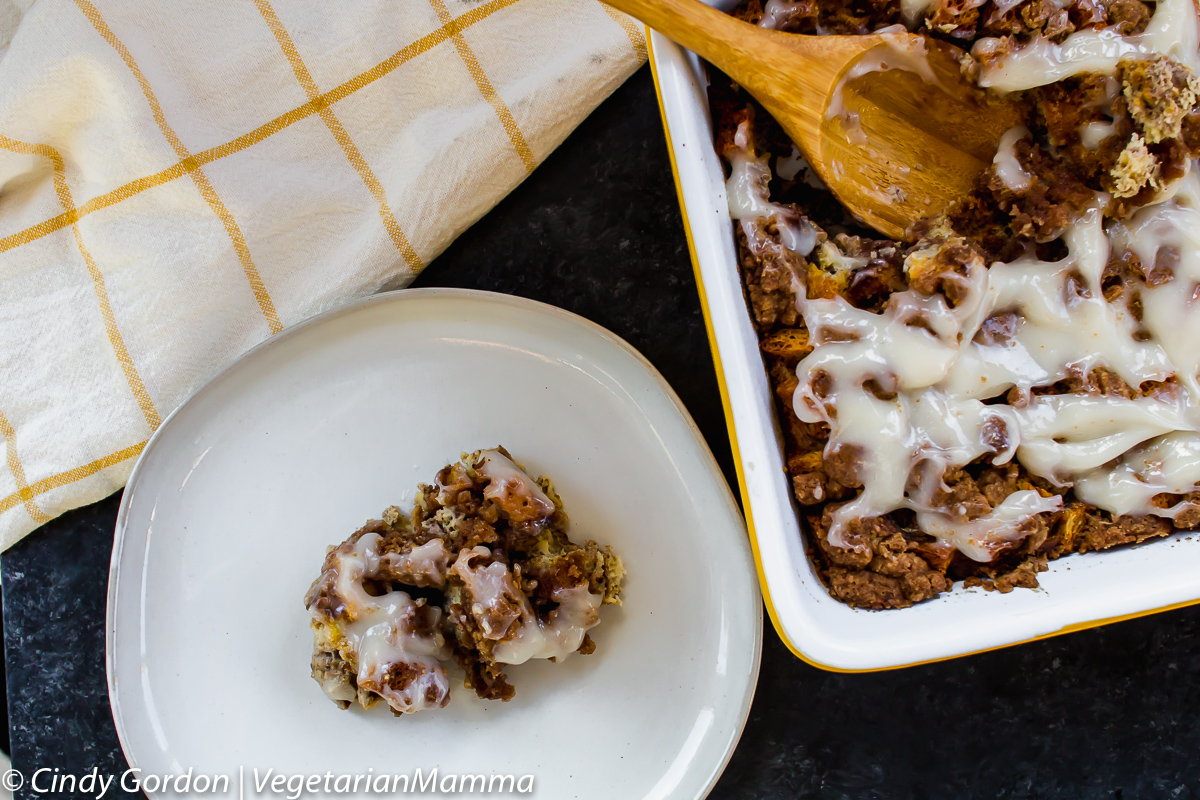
(935, 374)
(1091, 134)
(353, 564)
(979, 538)
(1065, 435)
(776, 13)
(1008, 169)
(496, 602)
(387, 636)
(1169, 464)
(1172, 30)
(1167, 233)
(749, 198)
(788, 168)
(829, 255)
(902, 52)
(560, 634)
(384, 632)
(913, 11)
(1002, 7)
(506, 617)
(424, 565)
(509, 486)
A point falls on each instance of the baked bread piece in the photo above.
(1020, 383)
(481, 573)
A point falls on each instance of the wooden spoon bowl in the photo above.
(886, 120)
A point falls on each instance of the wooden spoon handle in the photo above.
(704, 30)
(762, 61)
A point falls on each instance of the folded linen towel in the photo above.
(180, 181)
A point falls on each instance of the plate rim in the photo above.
(417, 294)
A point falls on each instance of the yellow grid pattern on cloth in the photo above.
(61, 479)
(231, 227)
(110, 323)
(485, 86)
(340, 134)
(23, 493)
(633, 29)
(120, 57)
(313, 106)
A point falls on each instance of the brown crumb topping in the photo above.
(1126, 134)
(479, 569)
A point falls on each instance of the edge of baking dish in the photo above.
(1076, 592)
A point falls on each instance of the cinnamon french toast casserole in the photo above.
(481, 573)
(1022, 380)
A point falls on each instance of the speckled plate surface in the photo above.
(227, 515)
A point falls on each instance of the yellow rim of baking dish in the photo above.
(737, 459)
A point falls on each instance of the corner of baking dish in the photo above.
(795, 599)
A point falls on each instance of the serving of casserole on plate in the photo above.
(916, 423)
(230, 510)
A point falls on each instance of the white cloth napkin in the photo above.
(179, 181)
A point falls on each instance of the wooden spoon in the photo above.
(893, 144)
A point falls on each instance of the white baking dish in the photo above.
(1079, 591)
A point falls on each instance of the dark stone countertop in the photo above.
(1105, 713)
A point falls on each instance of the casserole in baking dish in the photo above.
(1075, 591)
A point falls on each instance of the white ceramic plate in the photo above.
(227, 515)
(1079, 591)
